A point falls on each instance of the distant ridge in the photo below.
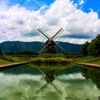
(19, 46)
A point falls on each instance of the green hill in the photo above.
(19, 46)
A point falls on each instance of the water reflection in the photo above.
(50, 75)
(30, 82)
(93, 74)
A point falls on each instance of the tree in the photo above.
(84, 50)
(94, 47)
(28, 52)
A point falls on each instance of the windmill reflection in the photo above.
(50, 75)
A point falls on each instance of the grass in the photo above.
(88, 59)
(5, 59)
(49, 61)
(49, 55)
(3, 62)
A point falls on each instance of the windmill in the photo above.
(50, 44)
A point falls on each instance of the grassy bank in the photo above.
(6, 59)
(88, 59)
(3, 61)
(47, 58)
(49, 61)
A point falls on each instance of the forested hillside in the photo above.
(19, 46)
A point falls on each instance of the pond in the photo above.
(30, 82)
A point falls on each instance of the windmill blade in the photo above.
(43, 48)
(41, 72)
(40, 30)
(56, 88)
(59, 73)
(43, 76)
(60, 47)
(42, 87)
(58, 32)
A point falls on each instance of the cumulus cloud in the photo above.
(19, 23)
(81, 2)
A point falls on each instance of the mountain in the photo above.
(19, 46)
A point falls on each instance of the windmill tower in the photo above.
(50, 43)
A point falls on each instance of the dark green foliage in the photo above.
(67, 55)
(29, 52)
(84, 49)
(94, 47)
(93, 74)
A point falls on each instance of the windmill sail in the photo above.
(58, 32)
(42, 33)
(50, 44)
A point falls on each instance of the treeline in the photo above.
(92, 48)
(23, 52)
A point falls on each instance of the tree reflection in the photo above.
(92, 73)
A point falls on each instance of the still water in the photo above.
(53, 83)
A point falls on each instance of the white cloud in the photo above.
(18, 23)
(81, 2)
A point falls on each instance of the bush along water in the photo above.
(50, 61)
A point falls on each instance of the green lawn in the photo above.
(48, 58)
(3, 62)
(5, 59)
(88, 59)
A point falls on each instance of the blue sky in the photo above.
(90, 4)
(31, 4)
(36, 4)
(19, 19)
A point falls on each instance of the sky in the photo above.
(20, 19)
